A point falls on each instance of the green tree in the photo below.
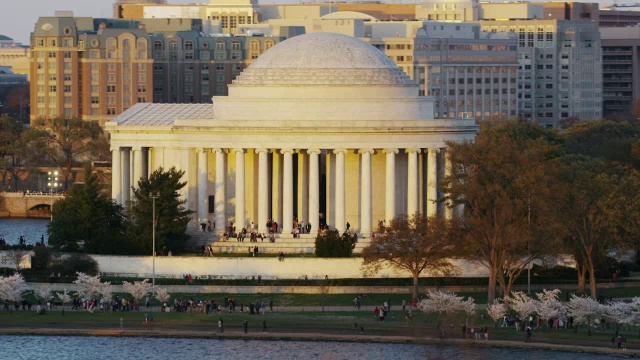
(331, 244)
(504, 181)
(171, 216)
(88, 213)
(66, 143)
(11, 151)
(590, 208)
(609, 140)
(413, 244)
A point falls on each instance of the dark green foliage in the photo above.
(172, 217)
(41, 257)
(88, 214)
(331, 244)
(604, 139)
(68, 265)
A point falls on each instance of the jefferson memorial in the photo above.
(322, 127)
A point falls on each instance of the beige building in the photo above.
(323, 128)
(95, 69)
(14, 55)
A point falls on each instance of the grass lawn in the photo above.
(330, 323)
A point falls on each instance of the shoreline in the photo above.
(283, 336)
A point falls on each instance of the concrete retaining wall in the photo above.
(246, 267)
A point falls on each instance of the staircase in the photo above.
(285, 243)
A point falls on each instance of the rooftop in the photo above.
(144, 114)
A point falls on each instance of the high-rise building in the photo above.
(620, 69)
(14, 55)
(560, 74)
(95, 69)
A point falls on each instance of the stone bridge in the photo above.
(31, 205)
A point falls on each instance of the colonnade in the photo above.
(122, 178)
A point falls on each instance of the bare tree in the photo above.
(16, 257)
(412, 244)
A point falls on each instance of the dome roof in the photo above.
(323, 59)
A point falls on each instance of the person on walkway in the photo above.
(529, 333)
(220, 326)
(486, 333)
(264, 326)
(245, 326)
(148, 302)
(464, 331)
(619, 342)
(271, 305)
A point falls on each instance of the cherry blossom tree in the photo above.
(522, 304)
(106, 290)
(497, 310)
(42, 294)
(88, 286)
(162, 295)
(137, 289)
(583, 309)
(627, 313)
(64, 297)
(549, 306)
(443, 302)
(11, 289)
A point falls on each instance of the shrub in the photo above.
(331, 244)
(68, 265)
(41, 257)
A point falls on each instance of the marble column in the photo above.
(126, 176)
(116, 175)
(287, 191)
(137, 166)
(365, 197)
(390, 188)
(276, 187)
(341, 223)
(240, 201)
(220, 195)
(145, 163)
(303, 187)
(314, 189)
(448, 210)
(263, 189)
(432, 182)
(203, 179)
(412, 182)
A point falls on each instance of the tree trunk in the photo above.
(592, 279)
(582, 278)
(415, 285)
(491, 291)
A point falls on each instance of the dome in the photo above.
(323, 59)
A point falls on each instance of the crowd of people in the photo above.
(196, 305)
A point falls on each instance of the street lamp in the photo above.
(153, 197)
(52, 183)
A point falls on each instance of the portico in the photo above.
(310, 136)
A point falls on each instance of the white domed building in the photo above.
(323, 127)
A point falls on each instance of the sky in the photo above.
(18, 19)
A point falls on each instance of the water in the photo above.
(32, 229)
(81, 348)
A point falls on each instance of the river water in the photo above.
(32, 229)
(119, 348)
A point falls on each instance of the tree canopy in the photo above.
(88, 213)
(171, 215)
(504, 181)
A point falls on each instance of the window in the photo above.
(142, 88)
(111, 111)
(67, 54)
(220, 45)
(95, 100)
(52, 42)
(40, 42)
(52, 88)
(67, 88)
(158, 45)
(188, 45)
(52, 54)
(236, 46)
(111, 88)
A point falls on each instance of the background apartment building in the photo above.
(96, 68)
(560, 71)
(620, 69)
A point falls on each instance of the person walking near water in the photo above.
(529, 333)
(220, 326)
(245, 325)
(264, 326)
